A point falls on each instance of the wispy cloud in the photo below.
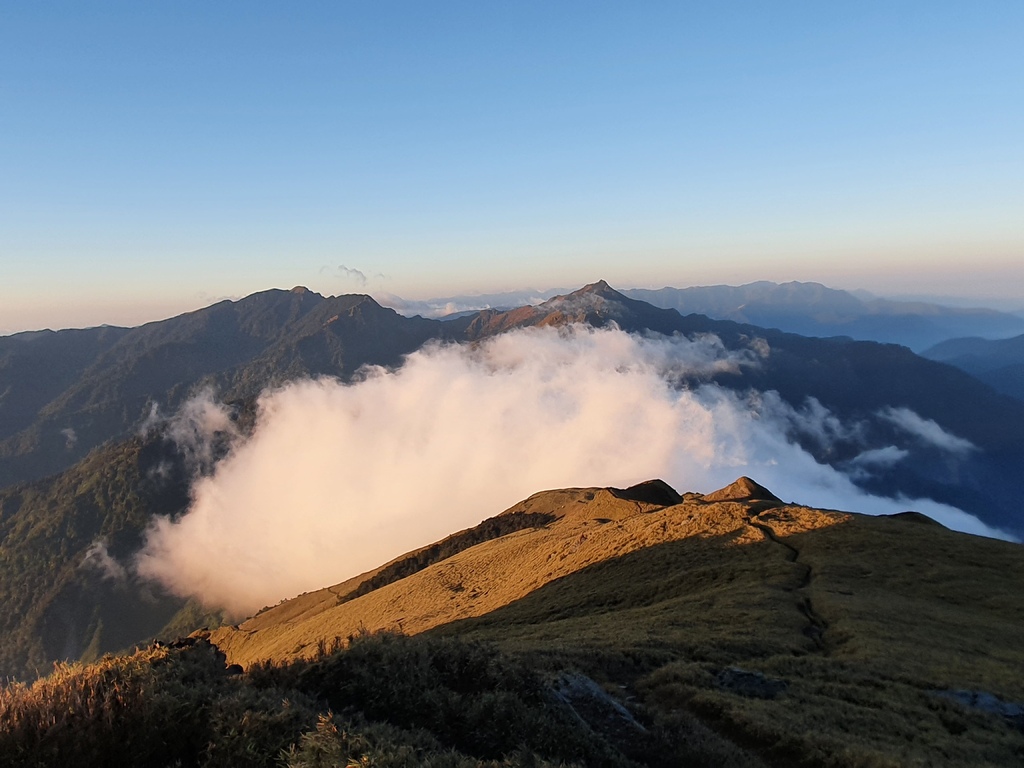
(98, 558)
(927, 430)
(348, 275)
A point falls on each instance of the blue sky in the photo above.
(157, 156)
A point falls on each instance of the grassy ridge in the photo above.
(789, 635)
(711, 632)
(827, 647)
(489, 529)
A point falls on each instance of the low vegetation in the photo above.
(829, 647)
(381, 700)
(738, 630)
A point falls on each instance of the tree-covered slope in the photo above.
(58, 406)
(65, 544)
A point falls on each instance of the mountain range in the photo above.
(809, 309)
(812, 309)
(85, 458)
(634, 626)
(56, 406)
(118, 378)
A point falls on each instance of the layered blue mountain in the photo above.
(812, 309)
(997, 362)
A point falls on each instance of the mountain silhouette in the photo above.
(238, 347)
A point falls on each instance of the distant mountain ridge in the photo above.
(808, 309)
(856, 380)
(37, 366)
(997, 362)
(812, 309)
(105, 389)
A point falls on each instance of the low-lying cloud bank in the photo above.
(337, 479)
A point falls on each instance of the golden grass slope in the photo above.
(804, 636)
(592, 525)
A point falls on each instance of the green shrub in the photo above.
(468, 695)
(401, 701)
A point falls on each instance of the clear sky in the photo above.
(156, 156)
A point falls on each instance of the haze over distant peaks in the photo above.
(810, 309)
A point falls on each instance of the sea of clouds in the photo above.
(338, 478)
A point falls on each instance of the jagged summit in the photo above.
(599, 291)
(601, 288)
(744, 489)
(596, 304)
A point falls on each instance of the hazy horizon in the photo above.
(156, 157)
(134, 315)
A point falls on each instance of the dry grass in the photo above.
(862, 619)
(157, 707)
(593, 526)
(387, 701)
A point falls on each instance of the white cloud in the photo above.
(866, 462)
(880, 457)
(926, 430)
(198, 426)
(337, 479)
(97, 557)
(352, 275)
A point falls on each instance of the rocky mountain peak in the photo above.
(744, 489)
